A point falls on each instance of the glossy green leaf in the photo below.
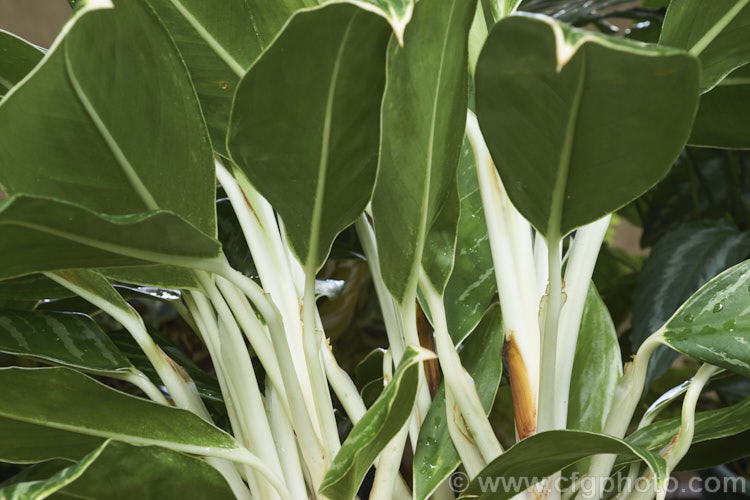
(440, 242)
(541, 87)
(709, 426)
(32, 287)
(424, 113)
(714, 324)
(109, 472)
(596, 368)
(327, 70)
(723, 119)
(377, 427)
(436, 456)
(17, 58)
(30, 443)
(67, 339)
(66, 138)
(155, 275)
(543, 454)
(472, 284)
(718, 31)
(679, 264)
(63, 399)
(45, 235)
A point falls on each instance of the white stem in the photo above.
(343, 386)
(582, 255)
(283, 436)
(471, 457)
(458, 379)
(385, 485)
(138, 379)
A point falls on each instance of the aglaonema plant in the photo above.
(477, 151)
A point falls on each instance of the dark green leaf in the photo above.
(377, 427)
(545, 453)
(436, 456)
(717, 30)
(424, 113)
(679, 264)
(472, 285)
(17, 58)
(32, 287)
(713, 326)
(541, 89)
(29, 443)
(68, 339)
(723, 119)
(119, 470)
(327, 70)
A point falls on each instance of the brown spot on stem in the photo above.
(250, 206)
(175, 367)
(524, 402)
(460, 426)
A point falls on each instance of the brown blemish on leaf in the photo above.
(524, 403)
(175, 367)
(224, 86)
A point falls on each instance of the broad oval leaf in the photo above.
(541, 87)
(718, 31)
(714, 324)
(17, 58)
(424, 113)
(109, 472)
(45, 235)
(680, 263)
(326, 71)
(723, 119)
(436, 456)
(377, 427)
(63, 338)
(543, 454)
(63, 399)
(67, 139)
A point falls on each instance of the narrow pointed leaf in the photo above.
(377, 427)
(67, 139)
(72, 340)
(327, 70)
(472, 284)
(543, 454)
(723, 119)
(436, 456)
(45, 235)
(424, 113)
(440, 242)
(714, 324)
(17, 58)
(680, 263)
(110, 469)
(60, 398)
(718, 31)
(596, 368)
(541, 87)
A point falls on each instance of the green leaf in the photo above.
(713, 326)
(17, 58)
(541, 87)
(158, 275)
(596, 368)
(680, 263)
(398, 13)
(327, 70)
(30, 443)
(723, 119)
(63, 399)
(32, 287)
(440, 242)
(109, 472)
(46, 235)
(543, 454)
(472, 284)
(718, 31)
(67, 139)
(68, 339)
(709, 426)
(377, 427)
(436, 456)
(424, 114)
